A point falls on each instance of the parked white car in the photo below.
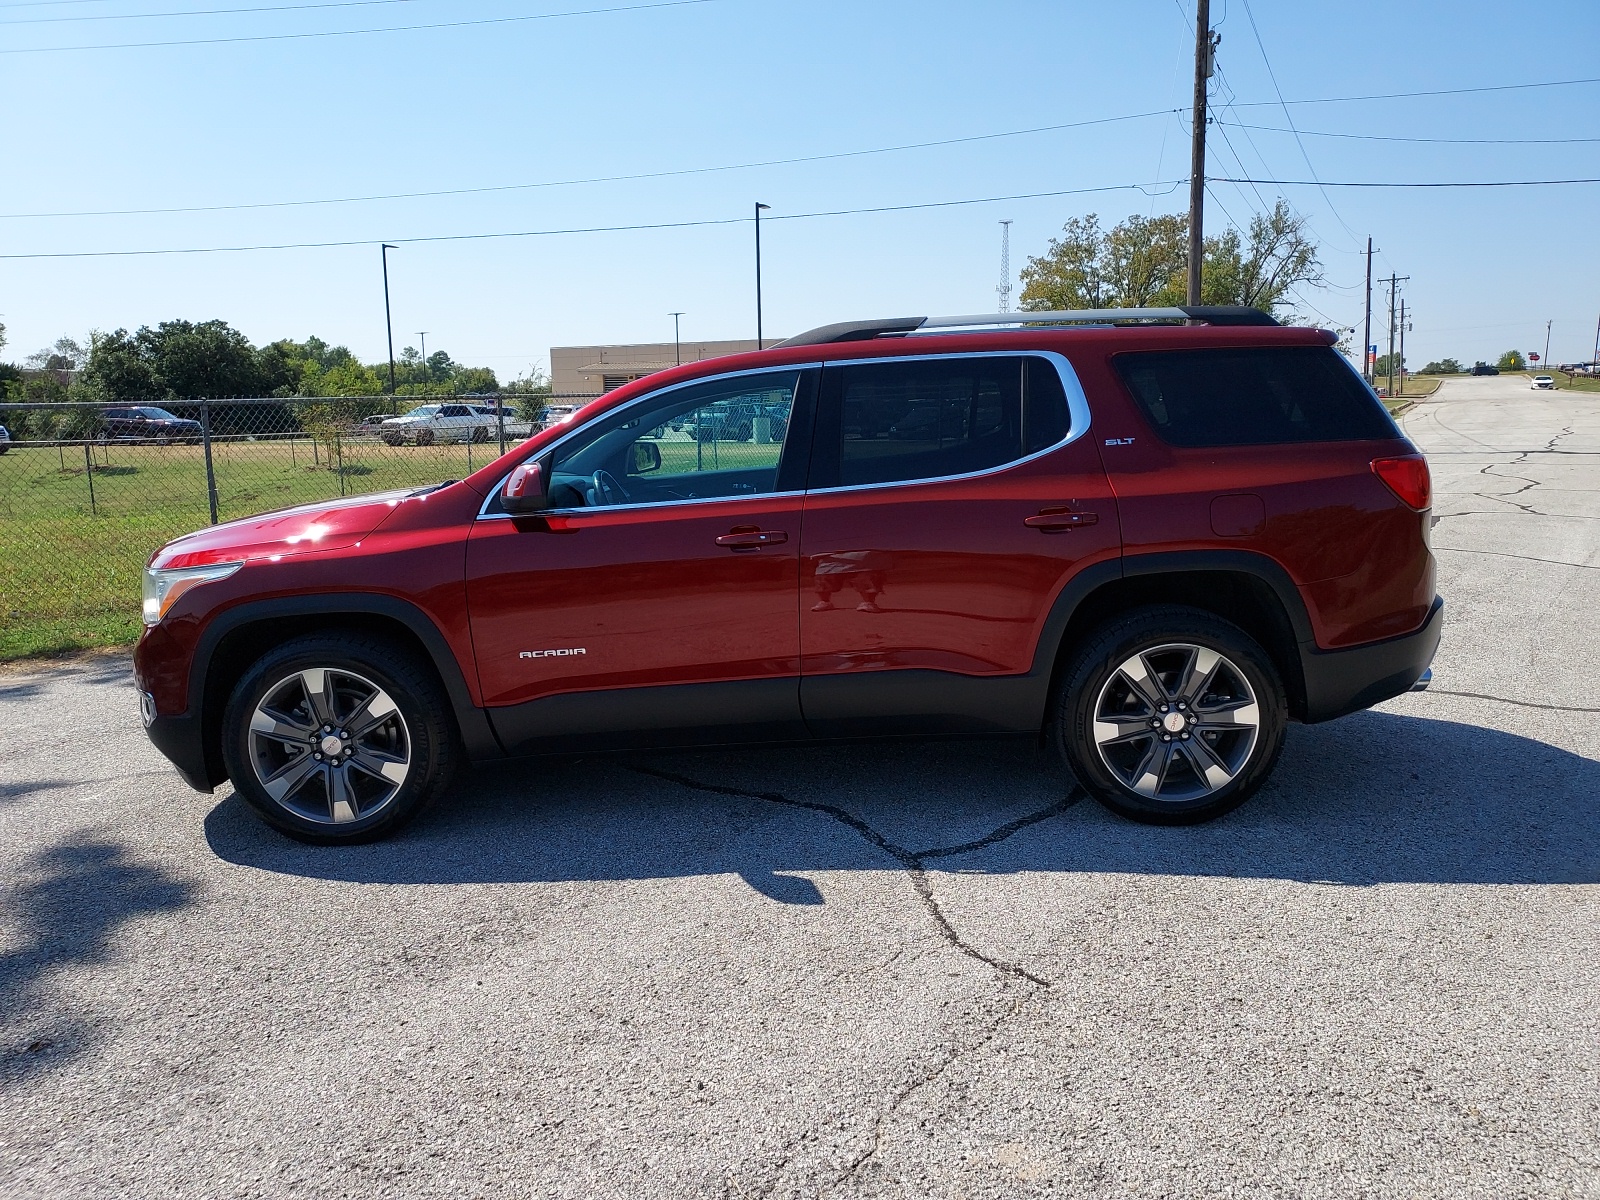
(1543, 381)
(430, 423)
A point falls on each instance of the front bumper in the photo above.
(179, 739)
(1346, 681)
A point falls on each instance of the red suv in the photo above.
(1151, 537)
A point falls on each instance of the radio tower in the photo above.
(1005, 267)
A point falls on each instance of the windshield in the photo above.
(427, 410)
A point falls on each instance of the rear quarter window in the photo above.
(1261, 396)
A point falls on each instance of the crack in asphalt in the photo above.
(915, 864)
(988, 1034)
(913, 861)
(1433, 691)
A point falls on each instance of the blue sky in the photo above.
(729, 82)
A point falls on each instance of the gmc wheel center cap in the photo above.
(1174, 722)
(332, 745)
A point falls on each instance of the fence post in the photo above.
(338, 446)
(211, 474)
(500, 411)
(88, 471)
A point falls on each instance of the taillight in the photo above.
(1407, 478)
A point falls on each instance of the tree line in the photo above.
(184, 361)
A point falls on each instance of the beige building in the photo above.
(592, 370)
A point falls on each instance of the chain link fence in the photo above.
(88, 491)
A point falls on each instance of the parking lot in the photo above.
(910, 970)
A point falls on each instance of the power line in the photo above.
(1390, 183)
(201, 12)
(1374, 137)
(285, 37)
(1273, 76)
(1170, 185)
(1499, 87)
(509, 187)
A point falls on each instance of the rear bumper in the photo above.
(179, 739)
(1345, 681)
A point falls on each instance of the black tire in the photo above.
(480, 434)
(424, 437)
(420, 728)
(1243, 684)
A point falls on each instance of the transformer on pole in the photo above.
(1004, 289)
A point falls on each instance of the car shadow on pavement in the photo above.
(1378, 797)
(60, 910)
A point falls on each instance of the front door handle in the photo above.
(1059, 520)
(751, 537)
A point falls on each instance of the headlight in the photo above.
(163, 585)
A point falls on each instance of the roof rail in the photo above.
(861, 331)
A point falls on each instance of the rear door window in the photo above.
(891, 422)
(1253, 396)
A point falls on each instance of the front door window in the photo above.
(720, 439)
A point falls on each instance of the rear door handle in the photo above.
(1059, 520)
(752, 538)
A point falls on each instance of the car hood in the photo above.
(329, 525)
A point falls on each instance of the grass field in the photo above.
(69, 567)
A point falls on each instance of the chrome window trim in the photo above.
(485, 515)
(1077, 410)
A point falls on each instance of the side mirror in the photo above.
(526, 489)
(644, 458)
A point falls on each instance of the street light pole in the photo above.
(423, 334)
(388, 325)
(1547, 325)
(760, 208)
(677, 347)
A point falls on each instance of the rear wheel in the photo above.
(338, 739)
(1170, 715)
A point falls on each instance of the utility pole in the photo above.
(1394, 282)
(1366, 327)
(388, 325)
(677, 348)
(1547, 325)
(1005, 267)
(760, 208)
(1205, 57)
(1402, 388)
(423, 334)
(1594, 363)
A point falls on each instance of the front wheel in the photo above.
(338, 739)
(1170, 715)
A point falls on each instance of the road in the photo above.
(909, 971)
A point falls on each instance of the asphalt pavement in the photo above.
(913, 970)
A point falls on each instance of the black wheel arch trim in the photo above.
(477, 736)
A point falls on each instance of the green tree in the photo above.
(175, 361)
(1143, 262)
(1069, 274)
(532, 392)
(1512, 360)
(1381, 364)
(1444, 366)
(65, 354)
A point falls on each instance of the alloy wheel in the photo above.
(329, 745)
(1176, 722)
